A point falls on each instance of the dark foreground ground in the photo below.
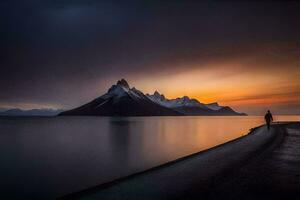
(263, 165)
(273, 175)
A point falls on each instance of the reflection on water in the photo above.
(49, 157)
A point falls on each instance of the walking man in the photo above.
(268, 118)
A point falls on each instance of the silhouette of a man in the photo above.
(268, 118)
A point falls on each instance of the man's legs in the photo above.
(268, 124)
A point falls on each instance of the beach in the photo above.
(263, 164)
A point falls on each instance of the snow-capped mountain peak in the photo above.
(117, 90)
(173, 103)
(136, 93)
(121, 100)
(123, 83)
(122, 89)
(157, 95)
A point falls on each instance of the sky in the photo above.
(62, 54)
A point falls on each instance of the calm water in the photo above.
(50, 157)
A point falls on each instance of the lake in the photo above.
(47, 157)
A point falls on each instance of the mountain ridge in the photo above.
(30, 112)
(121, 100)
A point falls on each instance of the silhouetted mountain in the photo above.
(32, 112)
(226, 111)
(188, 106)
(172, 103)
(121, 100)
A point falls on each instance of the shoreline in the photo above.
(218, 161)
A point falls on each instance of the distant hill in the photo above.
(121, 100)
(32, 112)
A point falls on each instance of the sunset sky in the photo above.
(61, 54)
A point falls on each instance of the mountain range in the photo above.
(31, 112)
(122, 100)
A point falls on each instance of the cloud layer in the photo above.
(63, 53)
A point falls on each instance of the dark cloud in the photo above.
(52, 50)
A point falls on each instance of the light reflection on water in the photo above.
(49, 157)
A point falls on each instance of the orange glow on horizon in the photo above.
(228, 85)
